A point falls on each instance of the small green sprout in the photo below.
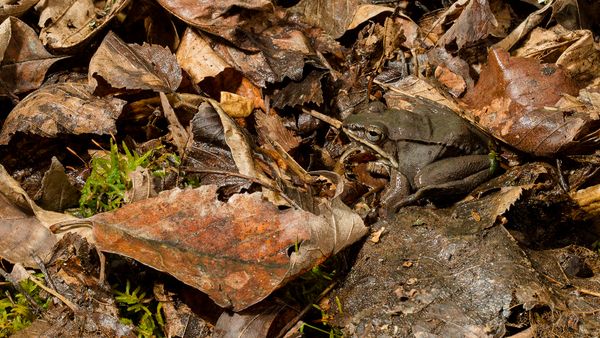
(135, 310)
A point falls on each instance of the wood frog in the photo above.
(428, 152)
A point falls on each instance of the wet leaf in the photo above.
(131, 66)
(23, 59)
(511, 102)
(65, 108)
(236, 252)
(67, 25)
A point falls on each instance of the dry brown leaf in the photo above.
(57, 193)
(255, 322)
(236, 105)
(575, 51)
(22, 235)
(237, 142)
(131, 66)
(532, 21)
(513, 100)
(197, 58)
(64, 108)
(179, 134)
(270, 127)
(308, 90)
(236, 252)
(366, 12)
(23, 59)
(478, 20)
(332, 16)
(281, 54)
(413, 86)
(15, 8)
(222, 18)
(67, 25)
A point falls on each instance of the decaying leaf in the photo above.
(236, 252)
(270, 127)
(308, 90)
(57, 193)
(333, 16)
(478, 19)
(22, 235)
(209, 150)
(237, 142)
(236, 105)
(197, 58)
(511, 102)
(15, 8)
(275, 63)
(67, 25)
(221, 18)
(64, 108)
(23, 59)
(178, 133)
(131, 66)
(254, 322)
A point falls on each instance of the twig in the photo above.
(63, 299)
(36, 308)
(334, 122)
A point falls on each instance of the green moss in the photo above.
(15, 310)
(141, 311)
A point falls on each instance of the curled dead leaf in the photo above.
(64, 108)
(23, 59)
(67, 25)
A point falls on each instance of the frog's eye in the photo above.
(374, 134)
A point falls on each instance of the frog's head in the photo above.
(370, 130)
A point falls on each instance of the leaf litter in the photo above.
(252, 181)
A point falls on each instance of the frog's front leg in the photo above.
(449, 177)
(397, 190)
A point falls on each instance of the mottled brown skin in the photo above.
(437, 153)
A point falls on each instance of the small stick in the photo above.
(334, 122)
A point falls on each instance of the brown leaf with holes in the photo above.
(131, 66)
(65, 108)
(68, 25)
(237, 252)
(23, 59)
(513, 101)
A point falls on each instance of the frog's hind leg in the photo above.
(441, 180)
